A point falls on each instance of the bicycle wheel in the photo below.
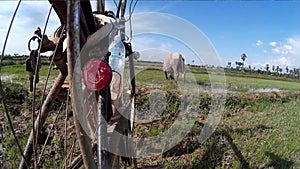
(58, 87)
(25, 103)
(91, 103)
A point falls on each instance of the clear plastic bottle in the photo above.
(117, 64)
(117, 57)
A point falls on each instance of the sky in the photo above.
(267, 31)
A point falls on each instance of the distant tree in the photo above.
(280, 70)
(297, 72)
(16, 54)
(229, 65)
(277, 69)
(287, 69)
(243, 57)
(7, 55)
(273, 68)
(258, 71)
(267, 67)
(239, 64)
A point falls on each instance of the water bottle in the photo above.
(117, 57)
(117, 64)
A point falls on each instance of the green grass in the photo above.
(18, 74)
(18, 98)
(268, 134)
(244, 84)
(256, 130)
(152, 75)
(261, 130)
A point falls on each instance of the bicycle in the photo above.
(72, 14)
(125, 125)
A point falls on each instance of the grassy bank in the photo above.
(235, 81)
(256, 130)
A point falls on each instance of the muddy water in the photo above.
(7, 78)
(264, 90)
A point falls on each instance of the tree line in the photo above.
(276, 69)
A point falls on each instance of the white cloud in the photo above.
(143, 42)
(273, 44)
(29, 16)
(156, 47)
(282, 53)
(288, 53)
(150, 48)
(283, 49)
(259, 43)
(288, 47)
(166, 46)
(170, 27)
(153, 54)
(281, 61)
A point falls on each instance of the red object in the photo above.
(97, 74)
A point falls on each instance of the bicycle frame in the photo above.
(105, 103)
(67, 12)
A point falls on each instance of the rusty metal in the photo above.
(42, 117)
(86, 17)
(77, 162)
(73, 51)
(46, 44)
(78, 17)
(34, 63)
(100, 6)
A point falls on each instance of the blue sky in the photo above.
(267, 31)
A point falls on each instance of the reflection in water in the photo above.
(263, 90)
(7, 78)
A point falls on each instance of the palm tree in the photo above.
(277, 69)
(291, 73)
(229, 64)
(243, 57)
(297, 72)
(267, 67)
(239, 65)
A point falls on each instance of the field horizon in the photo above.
(257, 129)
